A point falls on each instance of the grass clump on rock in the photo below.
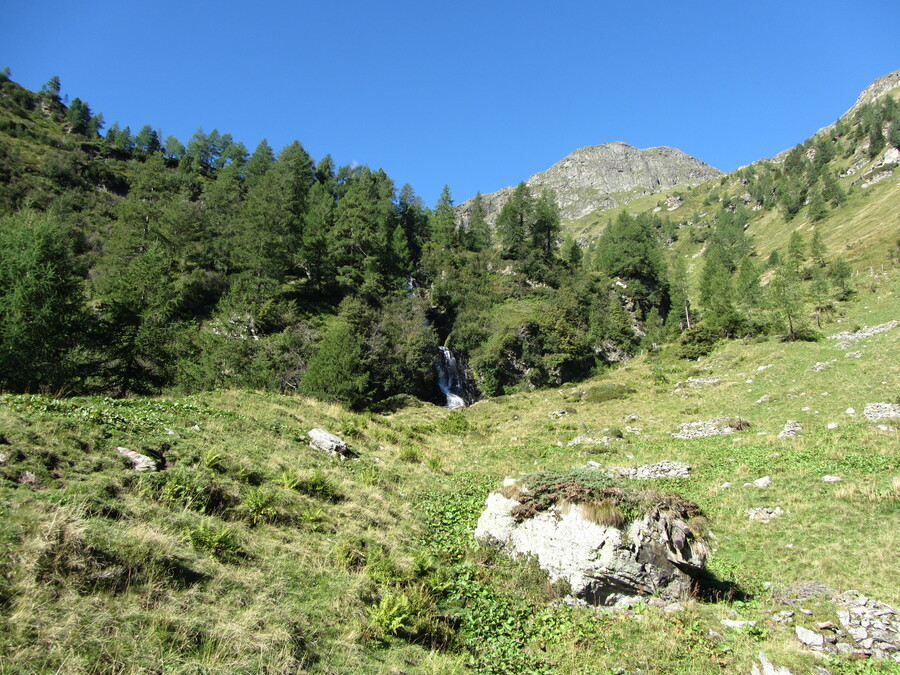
(599, 494)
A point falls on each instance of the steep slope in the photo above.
(604, 176)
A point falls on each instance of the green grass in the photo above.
(252, 553)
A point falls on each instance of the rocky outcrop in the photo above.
(655, 554)
(595, 177)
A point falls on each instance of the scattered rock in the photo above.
(874, 626)
(850, 411)
(762, 368)
(884, 427)
(764, 513)
(847, 337)
(766, 667)
(881, 411)
(791, 429)
(853, 355)
(329, 444)
(663, 469)
(808, 637)
(831, 479)
(28, 478)
(724, 486)
(833, 425)
(701, 381)
(3, 459)
(763, 399)
(558, 413)
(581, 440)
(737, 623)
(138, 461)
(763, 482)
(673, 608)
(821, 366)
(715, 427)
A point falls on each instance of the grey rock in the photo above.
(831, 479)
(763, 482)
(714, 427)
(663, 469)
(737, 623)
(590, 178)
(329, 444)
(766, 667)
(558, 413)
(138, 461)
(764, 513)
(808, 637)
(881, 411)
(868, 331)
(791, 429)
(655, 554)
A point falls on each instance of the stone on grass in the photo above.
(663, 469)
(763, 482)
(791, 429)
(766, 667)
(831, 479)
(764, 513)
(138, 461)
(881, 411)
(592, 547)
(329, 444)
(809, 637)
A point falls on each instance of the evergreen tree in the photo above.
(788, 298)
(478, 237)
(817, 249)
(78, 116)
(513, 221)
(41, 318)
(335, 371)
(748, 291)
(817, 208)
(262, 159)
(796, 254)
(443, 221)
(174, 149)
(544, 226)
(629, 250)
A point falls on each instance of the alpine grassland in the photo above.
(250, 552)
(195, 311)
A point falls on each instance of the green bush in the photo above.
(698, 341)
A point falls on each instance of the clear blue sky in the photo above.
(477, 95)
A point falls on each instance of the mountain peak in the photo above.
(594, 177)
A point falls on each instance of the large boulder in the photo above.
(588, 543)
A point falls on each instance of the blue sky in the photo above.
(477, 95)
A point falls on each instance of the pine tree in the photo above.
(443, 221)
(478, 237)
(817, 249)
(513, 220)
(335, 371)
(544, 226)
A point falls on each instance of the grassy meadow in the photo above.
(251, 552)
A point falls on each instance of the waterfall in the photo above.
(450, 381)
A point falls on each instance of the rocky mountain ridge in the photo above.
(594, 177)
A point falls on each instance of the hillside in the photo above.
(178, 321)
(602, 177)
(281, 559)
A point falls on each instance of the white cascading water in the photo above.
(449, 380)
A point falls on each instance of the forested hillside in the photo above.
(135, 264)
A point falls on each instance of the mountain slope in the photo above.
(596, 177)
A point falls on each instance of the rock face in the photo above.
(656, 554)
(591, 178)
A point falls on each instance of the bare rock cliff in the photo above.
(596, 177)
